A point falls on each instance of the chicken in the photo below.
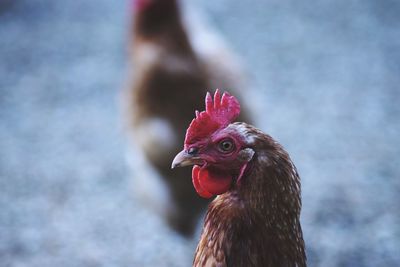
(171, 72)
(254, 220)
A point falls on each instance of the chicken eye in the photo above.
(226, 146)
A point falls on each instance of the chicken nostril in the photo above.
(193, 150)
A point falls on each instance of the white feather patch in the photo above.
(156, 136)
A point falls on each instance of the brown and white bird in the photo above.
(255, 219)
(173, 64)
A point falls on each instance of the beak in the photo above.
(184, 159)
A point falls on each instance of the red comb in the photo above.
(218, 114)
(139, 4)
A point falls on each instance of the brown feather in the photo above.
(257, 223)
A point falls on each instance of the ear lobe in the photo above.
(245, 155)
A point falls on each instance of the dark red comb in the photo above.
(218, 114)
(142, 5)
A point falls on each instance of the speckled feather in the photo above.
(256, 223)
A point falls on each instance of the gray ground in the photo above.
(325, 81)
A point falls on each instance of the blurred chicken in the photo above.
(174, 62)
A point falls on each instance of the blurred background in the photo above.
(323, 78)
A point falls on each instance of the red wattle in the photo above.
(208, 183)
(196, 183)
